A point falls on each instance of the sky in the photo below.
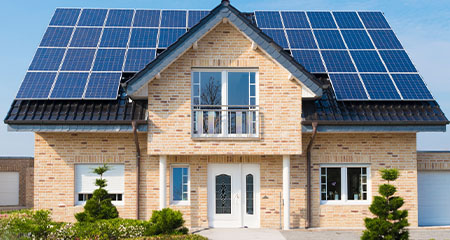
(423, 27)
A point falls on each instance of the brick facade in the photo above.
(24, 166)
(169, 100)
(433, 160)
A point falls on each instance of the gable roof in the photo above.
(223, 10)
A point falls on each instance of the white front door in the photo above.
(233, 195)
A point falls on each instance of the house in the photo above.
(241, 119)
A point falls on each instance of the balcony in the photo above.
(225, 121)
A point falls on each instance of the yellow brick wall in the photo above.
(433, 160)
(379, 150)
(169, 100)
(56, 155)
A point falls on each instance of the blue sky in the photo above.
(423, 27)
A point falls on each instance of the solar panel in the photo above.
(109, 60)
(380, 87)
(65, 17)
(348, 87)
(321, 20)
(173, 18)
(86, 37)
(373, 20)
(397, 61)
(357, 39)
(412, 86)
(367, 61)
(56, 37)
(47, 59)
(69, 85)
(103, 86)
(146, 18)
(347, 20)
(310, 59)
(115, 37)
(78, 59)
(329, 39)
(301, 39)
(119, 18)
(137, 59)
(195, 17)
(167, 36)
(295, 20)
(36, 85)
(143, 38)
(268, 19)
(385, 39)
(278, 36)
(92, 17)
(338, 61)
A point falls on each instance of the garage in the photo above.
(9, 188)
(434, 198)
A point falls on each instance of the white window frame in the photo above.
(180, 202)
(82, 203)
(344, 191)
(224, 80)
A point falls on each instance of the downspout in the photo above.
(138, 163)
(308, 175)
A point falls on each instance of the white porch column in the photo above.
(162, 181)
(286, 190)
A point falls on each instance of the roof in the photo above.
(240, 20)
(106, 112)
(328, 110)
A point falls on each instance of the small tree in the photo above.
(390, 222)
(99, 206)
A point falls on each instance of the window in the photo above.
(180, 185)
(249, 194)
(344, 184)
(85, 182)
(224, 103)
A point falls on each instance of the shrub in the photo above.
(166, 221)
(99, 206)
(109, 229)
(390, 222)
(28, 224)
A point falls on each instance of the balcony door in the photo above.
(224, 103)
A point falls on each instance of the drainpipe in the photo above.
(138, 163)
(308, 175)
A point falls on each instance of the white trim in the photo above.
(162, 181)
(180, 202)
(344, 191)
(286, 191)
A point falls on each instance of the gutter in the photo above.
(308, 175)
(138, 164)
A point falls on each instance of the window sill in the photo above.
(225, 138)
(180, 203)
(345, 203)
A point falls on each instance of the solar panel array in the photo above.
(358, 50)
(84, 52)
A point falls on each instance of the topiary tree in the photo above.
(166, 221)
(99, 206)
(390, 222)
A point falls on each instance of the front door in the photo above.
(233, 195)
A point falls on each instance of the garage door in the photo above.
(9, 188)
(434, 198)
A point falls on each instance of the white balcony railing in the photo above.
(224, 121)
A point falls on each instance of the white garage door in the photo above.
(9, 188)
(434, 198)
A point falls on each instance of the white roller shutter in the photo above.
(9, 188)
(434, 198)
(85, 178)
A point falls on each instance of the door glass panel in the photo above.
(211, 88)
(223, 194)
(249, 193)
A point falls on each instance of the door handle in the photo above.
(236, 196)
